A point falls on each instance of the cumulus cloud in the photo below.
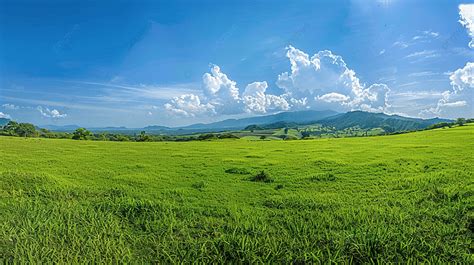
(333, 97)
(217, 85)
(462, 82)
(4, 115)
(327, 78)
(189, 105)
(51, 113)
(221, 96)
(221, 91)
(466, 12)
(463, 78)
(257, 101)
(313, 81)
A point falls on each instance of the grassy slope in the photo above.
(391, 198)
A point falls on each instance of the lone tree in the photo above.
(26, 130)
(460, 121)
(143, 137)
(81, 134)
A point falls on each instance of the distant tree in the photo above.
(460, 121)
(253, 128)
(25, 130)
(45, 133)
(143, 137)
(81, 134)
(10, 128)
(263, 137)
(439, 125)
(227, 136)
(305, 134)
(286, 130)
(207, 136)
(388, 129)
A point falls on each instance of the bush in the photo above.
(199, 185)
(279, 187)
(262, 177)
(208, 136)
(324, 177)
(227, 136)
(236, 170)
(81, 134)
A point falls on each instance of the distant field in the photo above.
(394, 198)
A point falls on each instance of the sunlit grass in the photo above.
(391, 198)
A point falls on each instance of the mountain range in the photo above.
(365, 120)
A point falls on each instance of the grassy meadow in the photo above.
(400, 198)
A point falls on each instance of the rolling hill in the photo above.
(365, 120)
(369, 120)
(298, 117)
(4, 121)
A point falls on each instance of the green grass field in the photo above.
(394, 198)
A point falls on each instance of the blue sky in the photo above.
(137, 63)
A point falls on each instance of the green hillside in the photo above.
(401, 198)
(390, 123)
(4, 121)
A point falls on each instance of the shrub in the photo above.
(228, 136)
(199, 185)
(262, 177)
(279, 187)
(81, 134)
(207, 136)
(324, 177)
(236, 170)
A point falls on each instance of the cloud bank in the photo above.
(321, 81)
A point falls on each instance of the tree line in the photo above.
(13, 128)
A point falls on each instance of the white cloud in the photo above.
(423, 54)
(333, 97)
(326, 77)
(462, 82)
(54, 113)
(257, 101)
(460, 103)
(466, 12)
(10, 106)
(425, 35)
(189, 105)
(221, 91)
(400, 44)
(222, 97)
(322, 79)
(4, 115)
(382, 52)
(420, 74)
(431, 33)
(217, 85)
(463, 78)
(299, 103)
